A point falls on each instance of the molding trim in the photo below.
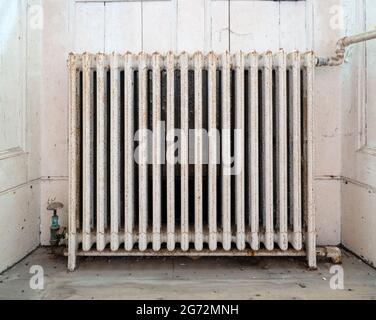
(11, 153)
(359, 184)
(54, 178)
(13, 189)
(345, 180)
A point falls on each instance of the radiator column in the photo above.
(295, 149)
(309, 207)
(281, 148)
(143, 153)
(213, 152)
(267, 150)
(239, 152)
(115, 151)
(88, 156)
(74, 159)
(101, 153)
(184, 160)
(226, 151)
(128, 150)
(253, 150)
(157, 151)
(198, 65)
(170, 154)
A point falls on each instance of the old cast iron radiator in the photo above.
(191, 154)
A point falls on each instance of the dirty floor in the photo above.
(185, 278)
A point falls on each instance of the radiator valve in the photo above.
(55, 235)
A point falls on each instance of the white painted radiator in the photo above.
(191, 154)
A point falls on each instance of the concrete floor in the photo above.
(184, 278)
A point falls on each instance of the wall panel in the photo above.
(123, 27)
(89, 27)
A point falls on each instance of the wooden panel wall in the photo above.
(190, 25)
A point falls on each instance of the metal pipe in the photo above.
(342, 44)
(332, 253)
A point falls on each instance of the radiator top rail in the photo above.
(249, 59)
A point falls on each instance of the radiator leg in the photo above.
(72, 252)
(311, 251)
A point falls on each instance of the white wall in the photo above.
(359, 138)
(191, 25)
(19, 130)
